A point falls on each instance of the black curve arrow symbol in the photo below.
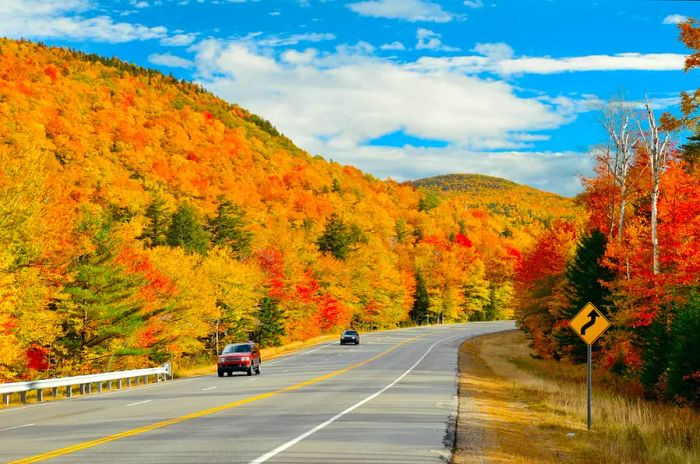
(593, 315)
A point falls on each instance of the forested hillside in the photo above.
(519, 206)
(142, 219)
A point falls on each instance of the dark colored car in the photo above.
(239, 357)
(350, 336)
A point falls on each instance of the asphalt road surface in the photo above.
(391, 399)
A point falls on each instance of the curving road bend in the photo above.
(392, 399)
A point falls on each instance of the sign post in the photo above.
(589, 324)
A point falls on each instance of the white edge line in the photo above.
(139, 402)
(209, 388)
(325, 424)
(17, 427)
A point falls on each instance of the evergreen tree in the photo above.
(270, 323)
(428, 201)
(690, 152)
(339, 239)
(421, 300)
(401, 231)
(683, 384)
(584, 275)
(186, 231)
(655, 340)
(101, 303)
(155, 232)
(227, 229)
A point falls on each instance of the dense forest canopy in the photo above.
(143, 219)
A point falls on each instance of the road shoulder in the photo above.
(495, 424)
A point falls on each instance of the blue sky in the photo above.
(401, 88)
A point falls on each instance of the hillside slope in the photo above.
(520, 205)
(143, 219)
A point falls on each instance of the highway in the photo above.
(391, 399)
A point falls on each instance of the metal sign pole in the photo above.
(589, 387)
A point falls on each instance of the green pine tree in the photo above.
(339, 239)
(155, 232)
(428, 201)
(656, 345)
(227, 229)
(683, 384)
(101, 307)
(270, 323)
(690, 152)
(584, 275)
(421, 300)
(186, 231)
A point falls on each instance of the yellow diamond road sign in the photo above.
(589, 323)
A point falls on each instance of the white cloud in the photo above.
(274, 13)
(495, 59)
(473, 3)
(341, 100)
(169, 60)
(396, 45)
(296, 57)
(675, 19)
(407, 10)
(66, 19)
(279, 41)
(498, 50)
(178, 40)
(429, 40)
(139, 4)
(335, 103)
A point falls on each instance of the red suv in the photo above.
(239, 357)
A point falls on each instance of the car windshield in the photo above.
(349, 332)
(237, 349)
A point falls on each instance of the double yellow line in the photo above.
(147, 428)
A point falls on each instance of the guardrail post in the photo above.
(85, 384)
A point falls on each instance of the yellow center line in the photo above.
(147, 428)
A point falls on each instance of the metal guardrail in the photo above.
(85, 383)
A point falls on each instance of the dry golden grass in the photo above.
(552, 401)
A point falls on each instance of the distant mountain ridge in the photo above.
(521, 205)
(470, 183)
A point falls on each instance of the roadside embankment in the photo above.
(514, 408)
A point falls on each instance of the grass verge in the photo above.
(518, 409)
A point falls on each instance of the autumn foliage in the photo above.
(143, 220)
(654, 343)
